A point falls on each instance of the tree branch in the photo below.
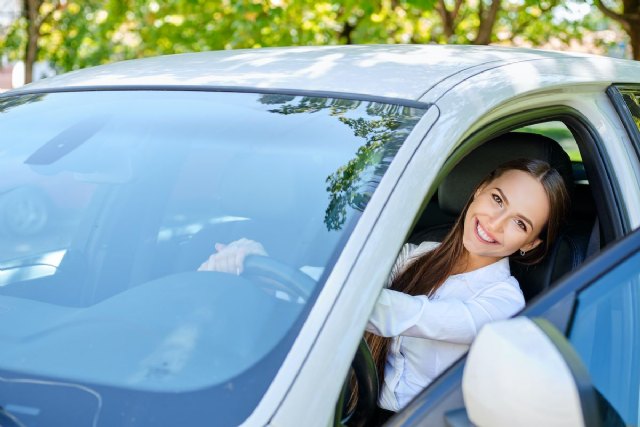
(608, 12)
(445, 15)
(456, 9)
(487, 22)
(47, 15)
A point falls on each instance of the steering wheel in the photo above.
(364, 370)
(277, 275)
(280, 276)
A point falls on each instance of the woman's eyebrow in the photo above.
(504, 198)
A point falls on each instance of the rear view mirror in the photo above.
(83, 151)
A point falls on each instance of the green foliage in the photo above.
(79, 33)
(632, 100)
(13, 43)
(15, 101)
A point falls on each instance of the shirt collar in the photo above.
(495, 272)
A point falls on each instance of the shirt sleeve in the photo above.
(448, 319)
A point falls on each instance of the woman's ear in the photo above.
(531, 245)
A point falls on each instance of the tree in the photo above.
(486, 17)
(627, 13)
(74, 34)
(35, 13)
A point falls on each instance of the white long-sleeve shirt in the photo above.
(432, 333)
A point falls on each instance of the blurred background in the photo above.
(40, 38)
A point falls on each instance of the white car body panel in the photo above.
(398, 71)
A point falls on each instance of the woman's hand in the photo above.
(230, 258)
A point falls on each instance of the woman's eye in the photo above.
(521, 225)
(497, 199)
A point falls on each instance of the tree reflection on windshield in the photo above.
(383, 130)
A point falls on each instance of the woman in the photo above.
(441, 294)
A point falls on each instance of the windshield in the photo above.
(109, 202)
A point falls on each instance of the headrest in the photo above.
(456, 188)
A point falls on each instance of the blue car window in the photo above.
(606, 334)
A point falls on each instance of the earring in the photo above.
(522, 253)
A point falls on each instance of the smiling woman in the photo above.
(441, 295)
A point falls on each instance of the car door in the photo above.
(605, 332)
(597, 308)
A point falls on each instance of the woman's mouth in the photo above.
(483, 235)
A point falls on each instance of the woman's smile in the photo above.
(483, 235)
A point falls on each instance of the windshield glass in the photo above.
(109, 203)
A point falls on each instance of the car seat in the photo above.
(567, 252)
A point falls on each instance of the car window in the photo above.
(142, 185)
(606, 334)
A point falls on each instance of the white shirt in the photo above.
(432, 333)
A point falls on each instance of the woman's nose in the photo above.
(496, 221)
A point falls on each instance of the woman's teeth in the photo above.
(484, 235)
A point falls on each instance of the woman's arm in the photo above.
(448, 319)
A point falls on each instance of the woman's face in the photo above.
(506, 216)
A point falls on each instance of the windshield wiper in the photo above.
(34, 264)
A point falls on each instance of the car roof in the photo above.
(407, 72)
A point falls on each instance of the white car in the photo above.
(332, 158)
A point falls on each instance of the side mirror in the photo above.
(524, 372)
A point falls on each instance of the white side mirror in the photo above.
(516, 376)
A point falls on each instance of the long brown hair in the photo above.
(425, 274)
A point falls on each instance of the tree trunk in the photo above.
(487, 22)
(634, 35)
(33, 31)
(448, 17)
(629, 18)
